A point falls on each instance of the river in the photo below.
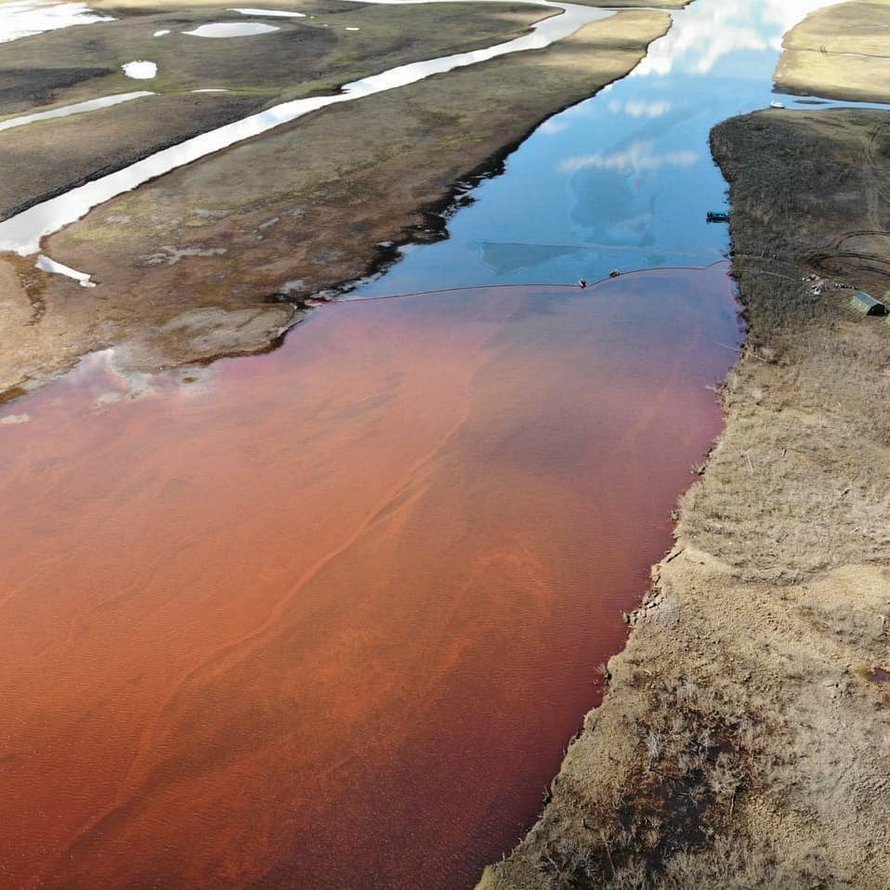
(328, 617)
(624, 180)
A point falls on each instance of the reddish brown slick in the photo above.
(329, 617)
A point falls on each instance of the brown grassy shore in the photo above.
(745, 740)
(216, 258)
(841, 52)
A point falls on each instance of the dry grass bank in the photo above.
(841, 52)
(745, 741)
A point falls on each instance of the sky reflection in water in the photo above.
(624, 179)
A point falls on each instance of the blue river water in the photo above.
(624, 179)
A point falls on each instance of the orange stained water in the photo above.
(328, 617)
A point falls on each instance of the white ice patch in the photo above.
(140, 69)
(45, 264)
(68, 110)
(270, 13)
(162, 32)
(231, 29)
(25, 19)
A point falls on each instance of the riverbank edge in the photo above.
(744, 737)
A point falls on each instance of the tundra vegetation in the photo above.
(839, 52)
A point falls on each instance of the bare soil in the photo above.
(274, 221)
(745, 740)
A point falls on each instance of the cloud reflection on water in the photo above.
(641, 108)
(638, 156)
(625, 177)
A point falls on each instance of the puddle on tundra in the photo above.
(232, 29)
(328, 617)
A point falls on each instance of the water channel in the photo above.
(328, 617)
(624, 180)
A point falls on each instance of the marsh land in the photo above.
(191, 268)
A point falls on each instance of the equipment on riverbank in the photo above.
(867, 304)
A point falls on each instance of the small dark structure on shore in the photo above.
(717, 216)
(867, 304)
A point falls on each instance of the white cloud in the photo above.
(639, 156)
(552, 127)
(640, 108)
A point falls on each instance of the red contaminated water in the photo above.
(328, 617)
